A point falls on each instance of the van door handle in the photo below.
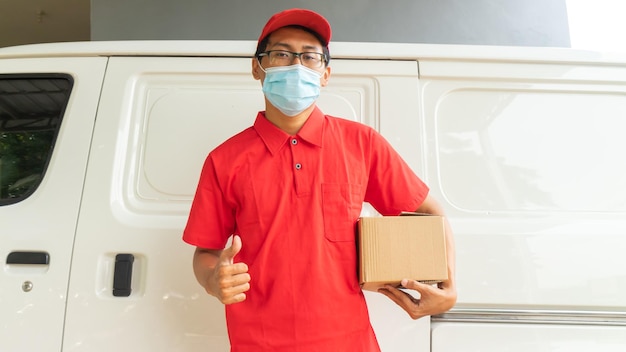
(123, 275)
(28, 258)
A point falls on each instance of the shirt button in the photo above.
(298, 166)
(294, 141)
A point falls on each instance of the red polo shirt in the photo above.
(294, 201)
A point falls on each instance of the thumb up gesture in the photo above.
(226, 280)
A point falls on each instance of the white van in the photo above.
(101, 146)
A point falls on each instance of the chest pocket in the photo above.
(341, 208)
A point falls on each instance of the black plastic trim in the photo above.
(28, 258)
(123, 275)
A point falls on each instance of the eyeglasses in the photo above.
(309, 59)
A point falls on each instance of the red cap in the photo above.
(300, 17)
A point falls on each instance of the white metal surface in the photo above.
(523, 338)
(529, 160)
(46, 221)
(340, 50)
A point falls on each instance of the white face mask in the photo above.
(291, 89)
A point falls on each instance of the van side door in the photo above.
(159, 118)
(527, 156)
(47, 112)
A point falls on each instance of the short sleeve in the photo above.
(392, 187)
(211, 219)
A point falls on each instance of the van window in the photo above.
(31, 110)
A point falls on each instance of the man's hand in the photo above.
(226, 280)
(432, 301)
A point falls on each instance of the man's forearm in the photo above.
(204, 263)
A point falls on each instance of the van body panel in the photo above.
(522, 146)
(521, 152)
(529, 163)
(135, 202)
(495, 337)
(46, 220)
(486, 54)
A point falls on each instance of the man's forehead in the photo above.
(289, 37)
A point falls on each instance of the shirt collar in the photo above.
(313, 128)
(275, 138)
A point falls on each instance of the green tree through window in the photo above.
(31, 109)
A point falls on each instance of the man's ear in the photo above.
(325, 77)
(256, 69)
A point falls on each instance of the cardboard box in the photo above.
(392, 248)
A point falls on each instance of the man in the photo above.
(290, 189)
